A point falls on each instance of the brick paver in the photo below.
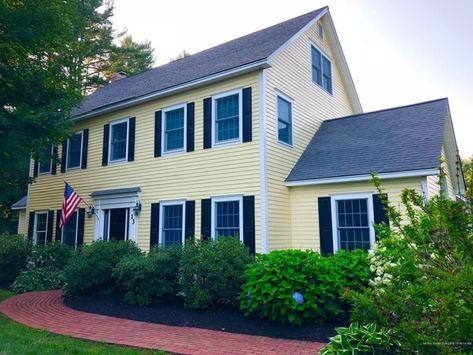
(46, 310)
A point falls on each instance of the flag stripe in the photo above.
(69, 205)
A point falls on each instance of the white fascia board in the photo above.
(296, 36)
(367, 177)
(261, 64)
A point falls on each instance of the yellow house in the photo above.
(239, 140)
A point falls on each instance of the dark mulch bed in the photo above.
(222, 319)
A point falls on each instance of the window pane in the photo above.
(227, 118)
(327, 75)
(41, 228)
(172, 225)
(284, 121)
(69, 231)
(174, 130)
(119, 141)
(74, 150)
(316, 66)
(353, 225)
(45, 162)
(227, 219)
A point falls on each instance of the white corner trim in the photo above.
(367, 177)
(351, 196)
(261, 64)
(296, 36)
(263, 164)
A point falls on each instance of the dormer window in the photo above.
(321, 70)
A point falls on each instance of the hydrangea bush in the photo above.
(422, 280)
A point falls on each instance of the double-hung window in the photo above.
(172, 225)
(174, 132)
(40, 228)
(321, 70)
(352, 220)
(284, 112)
(118, 141)
(227, 118)
(74, 151)
(45, 163)
(227, 217)
(69, 231)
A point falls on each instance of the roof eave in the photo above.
(248, 68)
(363, 177)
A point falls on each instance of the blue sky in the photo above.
(399, 52)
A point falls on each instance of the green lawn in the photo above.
(18, 339)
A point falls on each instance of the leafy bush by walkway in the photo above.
(212, 272)
(149, 279)
(91, 270)
(14, 252)
(295, 286)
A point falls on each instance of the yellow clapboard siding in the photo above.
(305, 210)
(291, 75)
(226, 170)
(22, 226)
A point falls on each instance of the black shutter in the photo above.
(58, 221)
(158, 121)
(63, 156)
(31, 226)
(325, 226)
(80, 226)
(154, 235)
(49, 233)
(247, 117)
(380, 214)
(190, 126)
(249, 222)
(85, 148)
(106, 132)
(35, 168)
(54, 161)
(190, 220)
(206, 218)
(207, 123)
(131, 139)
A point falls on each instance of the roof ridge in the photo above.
(217, 45)
(384, 110)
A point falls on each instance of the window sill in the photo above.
(321, 88)
(285, 145)
(227, 143)
(172, 153)
(118, 162)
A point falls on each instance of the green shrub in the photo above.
(38, 279)
(50, 255)
(91, 269)
(364, 339)
(14, 252)
(353, 267)
(423, 276)
(212, 272)
(149, 279)
(292, 286)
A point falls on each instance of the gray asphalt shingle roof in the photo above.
(398, 139)
(20, 204)
(242, 51)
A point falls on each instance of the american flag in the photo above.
(69, 205)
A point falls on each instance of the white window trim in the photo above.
(163, 130)
(291, 102)
(215, 97)
(50, 165)
(35, 229)
(110, 161)
(325, 55)
(351, 196)
(77, 229)
(81, 149)
(214, 212)
(161, 218)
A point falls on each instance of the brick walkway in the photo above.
(45, 310)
